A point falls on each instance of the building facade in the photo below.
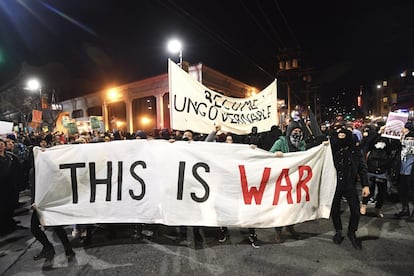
(144, 105)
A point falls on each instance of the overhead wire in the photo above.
(182, 12)
(275, 32)
(287, 24)
(247, 10)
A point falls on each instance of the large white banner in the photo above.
(182, 183)
(194, 106)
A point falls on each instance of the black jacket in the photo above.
(350, 163)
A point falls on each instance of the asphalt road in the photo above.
(388, 249)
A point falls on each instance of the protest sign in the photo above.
(395, 125)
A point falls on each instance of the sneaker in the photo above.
(411, 218)
(363, 209)
(253, 241)
(69, 253)
(338, 238)
(278, 237)
(372, 201)
(222, 235)
(47, 253)
(356, 243)
(147, 233)
(181, 237)
(402, 213)
(293, 232)
(75, 233)
(197, 237)
(379, 213)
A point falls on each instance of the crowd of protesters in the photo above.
(360, 154)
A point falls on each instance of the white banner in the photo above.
(182, 183)
(194, 106)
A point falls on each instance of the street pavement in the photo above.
(388, 249)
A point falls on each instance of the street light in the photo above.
(33, 85)
(174, 46)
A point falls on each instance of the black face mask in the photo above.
(342, 142)
(295, 139)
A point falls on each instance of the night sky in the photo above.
(82, 46)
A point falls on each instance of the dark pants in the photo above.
(353, 203)
(41, 236)
(404, 189)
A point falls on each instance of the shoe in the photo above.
(278, 237)
(253, 241)
(69, 253)
(47, 252)
(411, 218)
(403, 213)
(197, 237)
(338, 238)
(379, 213)
(372, 201)
(223, 235)
(181, 237)
(356, 243)
(87, 241)
(363, 209)
(75, 233)
(293, 232)
(147, 233)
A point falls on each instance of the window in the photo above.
(78, 113)
(95, 111)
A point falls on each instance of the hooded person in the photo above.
(291, 142)
(378, 160)
(349, 162)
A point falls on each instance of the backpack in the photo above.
(21, 151)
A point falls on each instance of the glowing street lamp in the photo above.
(174, 46)
(33, 85)
(113, 94)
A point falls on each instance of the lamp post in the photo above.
(174, 46)
(33, 85)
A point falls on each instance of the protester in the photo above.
(182, 230)
(48, 250)
(405, 183)
(253, 138)
(349, 162)
(291, 142)
(9, 174)
(379, 164)
(268, 138)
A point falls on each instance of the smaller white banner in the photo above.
(195, 107)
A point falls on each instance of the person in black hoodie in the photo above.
(349, 162)
(47, 251)
(379, 164)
